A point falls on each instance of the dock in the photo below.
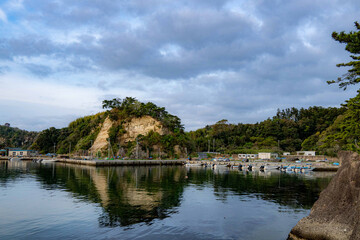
(317, 167)
(103, 163)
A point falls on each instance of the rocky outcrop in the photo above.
(101, 141)
(336, 214)
(132, 128)
(143, 126)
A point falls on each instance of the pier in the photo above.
(101, 163)
(315, 166)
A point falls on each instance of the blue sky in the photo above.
(202, 60)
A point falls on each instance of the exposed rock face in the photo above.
(142, 126)
(336, 214)
(133, 128)
(101, 141)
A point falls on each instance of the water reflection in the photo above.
(291, 190)
(130, 195)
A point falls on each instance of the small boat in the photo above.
(193, 165)
(290, 169)
(271, 167)
(48, 160)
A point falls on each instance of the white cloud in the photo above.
(3, 16)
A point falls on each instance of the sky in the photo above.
(203, 60)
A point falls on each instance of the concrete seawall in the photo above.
(319, 167)
(99, 163)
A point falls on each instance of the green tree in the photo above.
(352, 41)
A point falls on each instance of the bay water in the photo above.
(58, 201)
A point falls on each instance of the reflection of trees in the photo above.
(130, 195)
(292, 190)
(127, 195)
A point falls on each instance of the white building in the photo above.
(21, 153)
(247, 156)
(286, 153)
(268, 155)
(305, 153)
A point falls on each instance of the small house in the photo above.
(306, 153)
(21, 153)
(268, 155)
(247, 156)
(286, 154)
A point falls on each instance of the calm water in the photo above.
(48, 201)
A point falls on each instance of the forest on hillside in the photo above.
(14, 137)
(289, 130)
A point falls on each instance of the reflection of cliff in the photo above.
(128, 195)
(101, 186)
(134, 196)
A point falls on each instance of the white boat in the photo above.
(49, 160)
(271, 167)
(193, 165)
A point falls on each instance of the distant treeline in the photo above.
(289, 130)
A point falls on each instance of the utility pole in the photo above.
(209, 146)
(54, 147)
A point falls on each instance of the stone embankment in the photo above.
(320, 167)
(102, 163)
(336, 214)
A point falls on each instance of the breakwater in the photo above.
(99, 163)
(315, 166)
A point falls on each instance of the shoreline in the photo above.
(315, 166)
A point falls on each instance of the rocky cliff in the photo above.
(143, 126)
(336, 214)
(101, 141)
(132, 128)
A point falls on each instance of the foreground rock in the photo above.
(336, 214)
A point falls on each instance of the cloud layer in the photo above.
(203, 60)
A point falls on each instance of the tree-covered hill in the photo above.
(14, 137)
(82, 133)
(290, 130)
